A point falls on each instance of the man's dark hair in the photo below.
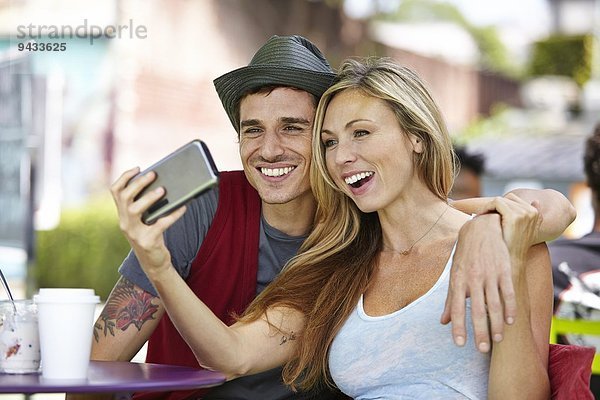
(473, 161)
(591, 161)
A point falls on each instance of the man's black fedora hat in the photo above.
(284, 60)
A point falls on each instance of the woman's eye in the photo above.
(329, 142)
(360, 133)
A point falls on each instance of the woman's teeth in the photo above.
(357, 177)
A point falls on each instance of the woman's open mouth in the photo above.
(357, 180)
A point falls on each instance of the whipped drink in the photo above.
(19, 338)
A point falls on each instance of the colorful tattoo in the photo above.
(126, 306)
(285, 339)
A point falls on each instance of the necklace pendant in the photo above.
(404, 252)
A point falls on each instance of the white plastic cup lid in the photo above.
(66, 295)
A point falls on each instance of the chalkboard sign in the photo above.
(15, 98)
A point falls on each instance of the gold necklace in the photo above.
(406, 251)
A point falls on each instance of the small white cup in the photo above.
(66, 322)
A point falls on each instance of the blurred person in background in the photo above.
(234, 240)
(576, 263)
(468, 181)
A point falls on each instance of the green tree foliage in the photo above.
(563, 55)
(493, 55)
(85, 250)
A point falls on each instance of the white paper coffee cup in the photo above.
(66, 322)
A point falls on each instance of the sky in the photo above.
(526, 14)
(531, 16)
(518, 23)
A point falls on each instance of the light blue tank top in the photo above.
(408, 354)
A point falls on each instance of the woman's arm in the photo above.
(519, 362)
(556, 210)
(243, 348)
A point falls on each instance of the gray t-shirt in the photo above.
(184, 238)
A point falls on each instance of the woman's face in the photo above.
(366, 152)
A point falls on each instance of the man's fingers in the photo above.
(116, 189)
(125, 177)
(165, 222)
(144, 202)
(480, 321)
(134, 187)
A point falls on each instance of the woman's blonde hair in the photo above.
(417, 113)
(335, 263)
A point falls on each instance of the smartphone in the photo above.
(184, 174)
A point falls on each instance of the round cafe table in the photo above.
(116, 377)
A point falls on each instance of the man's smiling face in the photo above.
(275, 143)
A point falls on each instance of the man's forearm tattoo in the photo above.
(126, 306)
(285, 339)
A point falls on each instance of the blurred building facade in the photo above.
(129, 101)
(542, 144)
(114, 103)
